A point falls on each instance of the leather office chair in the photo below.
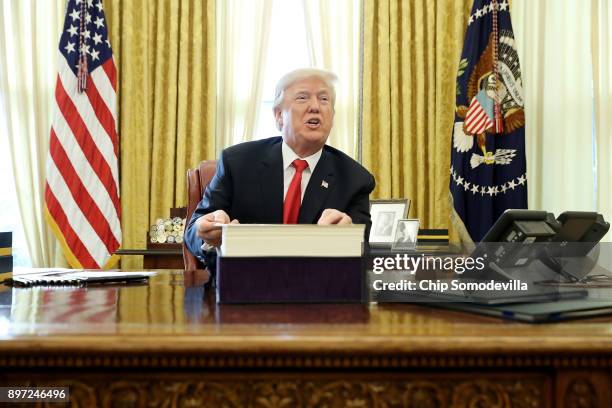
(197, 180)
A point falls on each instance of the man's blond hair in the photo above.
(329, 78)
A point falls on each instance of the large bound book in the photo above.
(290, 264)
(289, 280)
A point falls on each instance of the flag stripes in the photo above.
(111, 71)
(85, 140)
(77, 220)
(82, 190)
(98, 221)
(86, 172)
(75, 246)
(83, 114)
(476, 119)
(106, 88)
(102, 112)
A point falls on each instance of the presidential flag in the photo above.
(82, 190)
(488, 166)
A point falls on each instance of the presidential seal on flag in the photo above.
(488, 166)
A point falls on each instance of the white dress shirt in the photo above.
(288, 170)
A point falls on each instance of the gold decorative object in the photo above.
(167, 230)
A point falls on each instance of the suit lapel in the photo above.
(271, 183)
(320, 184)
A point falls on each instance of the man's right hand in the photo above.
(209, 229)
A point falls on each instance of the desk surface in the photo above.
(174, 313)
(168, 341)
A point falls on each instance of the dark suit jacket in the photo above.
(248, 186)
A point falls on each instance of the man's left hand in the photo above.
(331, 216)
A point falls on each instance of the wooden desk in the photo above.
(167, 345)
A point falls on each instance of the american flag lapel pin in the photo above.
(324, 184)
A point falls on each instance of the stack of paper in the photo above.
(296, 240)
(77, 277)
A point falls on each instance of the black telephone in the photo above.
(567, 245)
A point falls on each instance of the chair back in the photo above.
(197, 180)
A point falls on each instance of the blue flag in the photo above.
(488, 165)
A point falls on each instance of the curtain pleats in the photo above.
(565, 56)
(411, 55)
(165, 52)
(28, 71)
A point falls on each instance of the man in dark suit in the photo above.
(291, 179)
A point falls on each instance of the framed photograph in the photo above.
(405, 238)
(385, 214)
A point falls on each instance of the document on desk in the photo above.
(77, 277)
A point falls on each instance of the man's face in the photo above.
(306, 115)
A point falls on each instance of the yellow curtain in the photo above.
(165, 54)
(411, 56)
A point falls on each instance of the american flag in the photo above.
(479, 116)
(82, 189)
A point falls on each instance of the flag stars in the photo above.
(73, 30)
(480, 13)
(107, 43)
(490, 8)
(99, 5)
(75, 15)
(99, 22)
(87, 34)
(491, 191)
(97, 38)
(88, 18)
(94, 55)
(69, 47)
(89, 3)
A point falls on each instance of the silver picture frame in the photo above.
(385, 214)
(406, 233)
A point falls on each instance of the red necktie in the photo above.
(293, 199)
